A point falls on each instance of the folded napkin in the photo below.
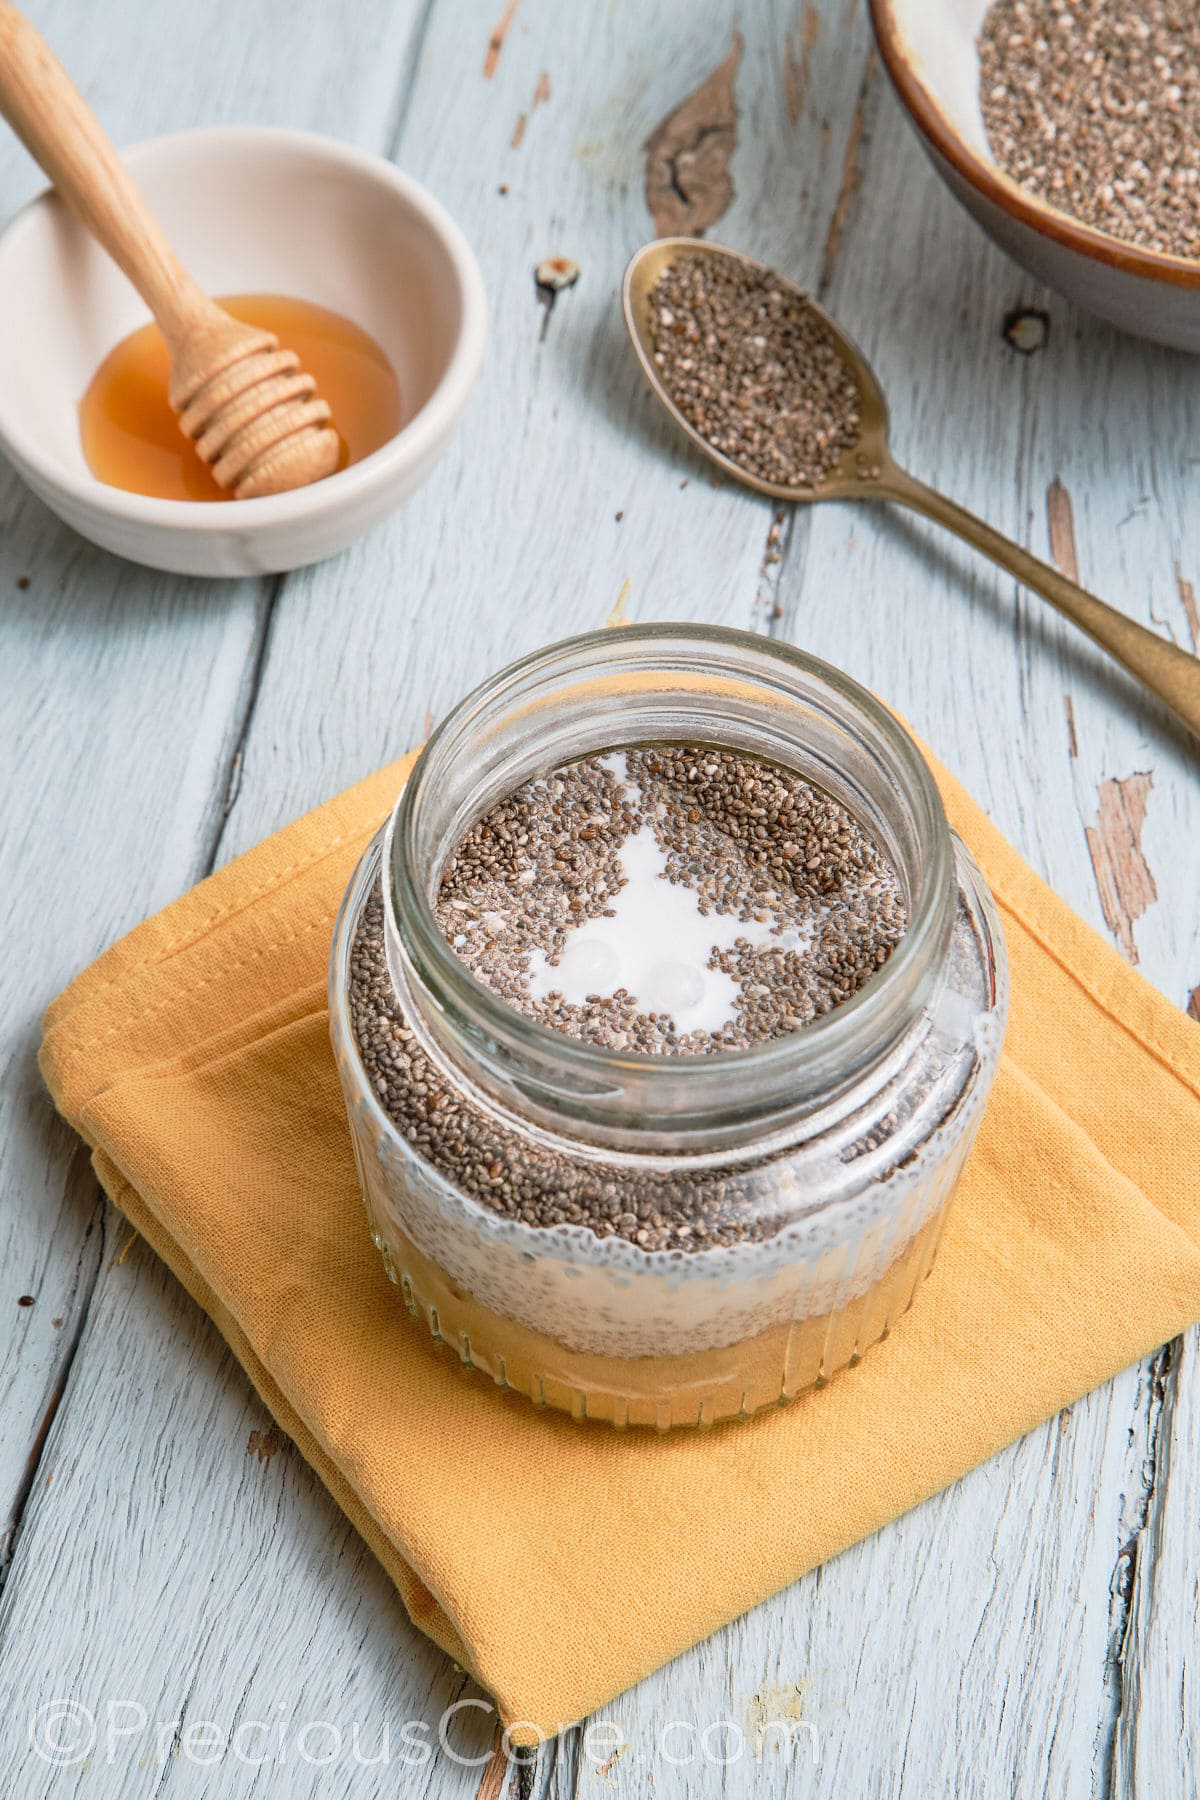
(560, 1562)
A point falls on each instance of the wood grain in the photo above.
(1114, 843)
(798, 47)
(688, 184)
(1004, 1637)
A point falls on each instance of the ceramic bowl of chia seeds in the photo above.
(1072, 134)
(665, 1007)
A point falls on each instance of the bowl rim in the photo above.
(989, 180)
(320, 499)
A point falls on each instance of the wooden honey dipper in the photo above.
(252, 413)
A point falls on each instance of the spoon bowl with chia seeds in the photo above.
(772, 390)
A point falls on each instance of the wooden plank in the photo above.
(1157, 1736)
(123, 694)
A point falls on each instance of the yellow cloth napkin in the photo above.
(560, 1563)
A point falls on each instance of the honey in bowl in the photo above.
(132, 440)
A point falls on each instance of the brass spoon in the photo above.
(867, 471)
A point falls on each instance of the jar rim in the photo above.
(826, 1043)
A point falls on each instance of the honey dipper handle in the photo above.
(59, 129)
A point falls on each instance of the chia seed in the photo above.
(752, 841)
(754, 369)
(510, 1174)
(1094, 106)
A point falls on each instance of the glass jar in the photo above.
(835, 1149)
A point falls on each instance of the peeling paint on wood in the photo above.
(617, 616)
(1072, 739)
(491, 1782)
(264, 1444)
(851, 177)
(688, 181)
(1193, 1005)
(605, 1769)
(1060, 518)
(1115, 846)
(772, 1714)
(496, 40)
(1191, 608)
(1142, 1501)
(541, 94)
(798, 49)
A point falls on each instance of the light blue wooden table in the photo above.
(1034, 1630)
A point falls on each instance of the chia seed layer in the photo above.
(505, 1170)
(753, 841)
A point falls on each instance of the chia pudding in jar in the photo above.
(665, 1007)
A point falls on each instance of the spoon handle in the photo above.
(61, 132)
(1169, 672)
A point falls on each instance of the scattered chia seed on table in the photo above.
(1094, 106)
(753, 841)
(753, 369)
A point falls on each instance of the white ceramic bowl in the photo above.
(929, 50)
(251, 210)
